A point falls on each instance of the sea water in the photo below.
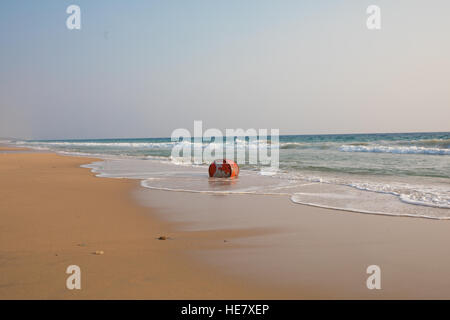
(404, 174)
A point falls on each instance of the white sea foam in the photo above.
(268, 171)
(412, 194)
(295, 198)
(394, 149)
(100, 144)
(337, 193)
(169, 144)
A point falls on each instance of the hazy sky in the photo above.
(145, 68)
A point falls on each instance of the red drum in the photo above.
(224, 169)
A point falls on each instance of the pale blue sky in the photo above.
(145, 68)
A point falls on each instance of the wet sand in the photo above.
(309, 252)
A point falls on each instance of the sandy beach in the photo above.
(230, 150)
(55, 214)
(315, 253)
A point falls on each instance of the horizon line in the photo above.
(285, 135)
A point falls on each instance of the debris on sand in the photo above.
(99, 252)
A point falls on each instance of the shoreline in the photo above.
(55, 214)
(276, 250)
(317, 253)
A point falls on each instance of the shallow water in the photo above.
(396, 174)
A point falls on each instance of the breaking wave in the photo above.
(394, 149)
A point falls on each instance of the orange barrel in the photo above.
(223, 169)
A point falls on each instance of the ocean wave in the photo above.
(435, 143)
(99, 144)
(430, 199)
(239, 143)
(394, 149)
(423, 195)
(293, 145)
(303, 145)
(295, 198)
(417, 195)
